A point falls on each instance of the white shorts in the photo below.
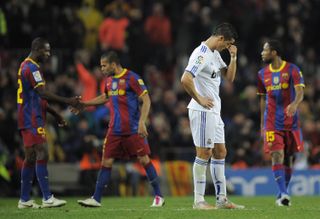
(207, 128)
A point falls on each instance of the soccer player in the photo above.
(280, 86)
(127, 133)
(201, 80)
(32, 97)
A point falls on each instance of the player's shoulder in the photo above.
(29, 65)
(293, 66)
(132, 74)
(263, 70)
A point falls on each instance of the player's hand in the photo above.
(233, 51)
(206, 102)
(74, 101)
(291, 109)
(142, 130)
(61, 121)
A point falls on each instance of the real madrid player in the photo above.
(201, 80)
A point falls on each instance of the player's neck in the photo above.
(33, 57)
(210, 42)
(276, 63)
(119, 70)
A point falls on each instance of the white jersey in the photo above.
(205, 66)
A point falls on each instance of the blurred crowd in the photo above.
(155, 39)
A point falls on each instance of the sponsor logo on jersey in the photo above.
(209, 141)
(122, 81)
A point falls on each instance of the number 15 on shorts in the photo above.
(270, 136)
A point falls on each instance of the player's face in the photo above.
(266, 53)
(107, 68)
(44, 53)
(224, 44)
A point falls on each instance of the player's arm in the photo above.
(292, 107)
(144, 112)
(45, 94)
(57, 116)
(230, 72)
(188, 85)
(262, 108)
(99, 100)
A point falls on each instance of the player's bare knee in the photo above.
(30, 156)
(219, 154)
(42, 154)
(204, 153)
(107, 162)
(144, 160)
(277, 157)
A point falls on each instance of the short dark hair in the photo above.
(38, 43)
(226, 30)
(111, 57)
(276, 46)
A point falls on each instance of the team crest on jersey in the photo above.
(37, 76)
(114, 85)
(122, 81)
(209, 141)
(285, 76)
(199, 60)
(276, 80)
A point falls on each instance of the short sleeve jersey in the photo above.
(279, 87)
(205, 66)
(123, 91)
(31, 107)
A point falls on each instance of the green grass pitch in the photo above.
(307, 207)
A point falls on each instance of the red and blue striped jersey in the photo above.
(278, 86)
(123, 91)
(31, 107)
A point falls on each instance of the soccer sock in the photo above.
(153, 178)
(217, 170)
(288, 174)
(103, 179)
(27, 174)
(199, 178)
(279, 177)
(42, 176)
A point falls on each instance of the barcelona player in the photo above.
(127, 133)
(281, 90)
(32, 97)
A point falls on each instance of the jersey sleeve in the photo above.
(221, 62)
(197, 62)
(261, 90)
(34, 76)
(137, 85)
(297, 77)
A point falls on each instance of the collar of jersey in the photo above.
(279, 69)
(34, 62)
(121, 74)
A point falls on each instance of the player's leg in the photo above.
(48, 200)
(111, 149)
(288, 162)
(217, 169)
(217, 166)
(104, 177)
(202, 133)
(27, 174)
(153, 179)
